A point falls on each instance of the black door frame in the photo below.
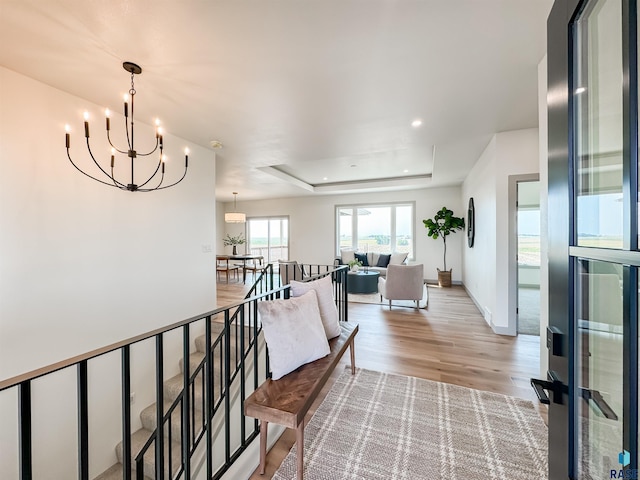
(562, 250)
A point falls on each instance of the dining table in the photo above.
(242, 258)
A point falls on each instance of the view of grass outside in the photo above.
(268, 237)
(375, 228)
(529, 237)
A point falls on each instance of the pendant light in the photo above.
(235, 216)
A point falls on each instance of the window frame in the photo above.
(269, 218)
(354, 224)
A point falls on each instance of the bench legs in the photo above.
(353, 357)
(300, 452)
(263, 445)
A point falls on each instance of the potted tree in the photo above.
(235, 241)
(442, 225)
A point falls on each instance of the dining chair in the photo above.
(222, 265)
(255, 265)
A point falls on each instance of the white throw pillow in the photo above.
(346, 255)
(326, 303)
(293, 332)
(398, 258)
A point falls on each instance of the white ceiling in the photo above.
(299, 91)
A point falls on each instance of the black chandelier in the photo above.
(131, 151)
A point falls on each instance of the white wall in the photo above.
(83, 265)
(486, 265)
(313, 232)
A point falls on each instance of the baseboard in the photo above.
(503, 331)
(475, 302)
(497, 330)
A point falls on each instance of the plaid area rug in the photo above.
(374, 425)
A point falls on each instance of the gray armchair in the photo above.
(291, 270)
(403, 282)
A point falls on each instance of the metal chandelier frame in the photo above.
(131, 152)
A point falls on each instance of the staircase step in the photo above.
(194, 361)
(115, 473)
(216, 329)
(148, 417)
(173, 388)
(138, 439)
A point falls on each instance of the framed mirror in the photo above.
(471, 227)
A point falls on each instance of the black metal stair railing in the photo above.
(235, 350)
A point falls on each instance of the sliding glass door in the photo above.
(269, 237)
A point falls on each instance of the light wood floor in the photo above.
(448, 342)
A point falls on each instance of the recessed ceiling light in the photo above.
(405, 171)
(580, 90)
(216, 144)
(325, 178)
(416, 123)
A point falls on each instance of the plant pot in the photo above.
(444, 278)
(235, 249)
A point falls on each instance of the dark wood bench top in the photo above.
(286, 401)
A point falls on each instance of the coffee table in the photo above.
(362, 282)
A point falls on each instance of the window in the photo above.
(376, 228)
(269, 237)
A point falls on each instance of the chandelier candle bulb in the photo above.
(67, 137)
(86, 124)
(126, 105)
(107, 113)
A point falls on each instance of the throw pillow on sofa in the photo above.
(383, 260)
(362, 257)
(398, 258)
(293, 331)
(328, 311)
(346, 255)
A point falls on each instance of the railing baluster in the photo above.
(243, 393)
(126, 413)
(170, 443)
(83, 422)
(186, 457)
(208, 397)
(227, 375)
(24, 411)
(160, 408)
(254, 306)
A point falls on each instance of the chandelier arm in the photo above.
(181, 178)
(116, 183)
(157, 187)
(100, 167)
(149, 153)
(113, 146)
(84, 173)
(153, 175)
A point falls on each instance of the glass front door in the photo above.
(593, 240)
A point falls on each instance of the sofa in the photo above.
(377, 262)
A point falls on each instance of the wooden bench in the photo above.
(286, 401)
